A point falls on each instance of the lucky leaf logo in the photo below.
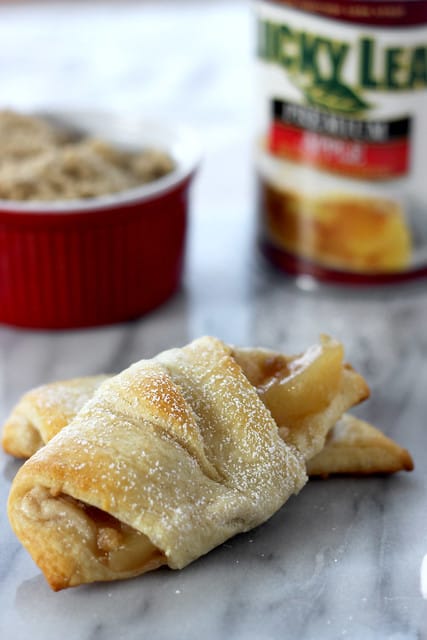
(318, 65)
(333, 95)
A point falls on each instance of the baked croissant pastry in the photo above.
(174, 455)
(299, 391)
(352, 446)
(42, 412)
(355, 447)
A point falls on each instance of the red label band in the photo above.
(374, 13)
(348, 157)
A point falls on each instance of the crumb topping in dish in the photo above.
(43, 161)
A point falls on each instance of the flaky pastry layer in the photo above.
(171, 457)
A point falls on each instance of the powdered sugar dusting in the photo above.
(180, 448)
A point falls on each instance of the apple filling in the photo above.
(121, 548)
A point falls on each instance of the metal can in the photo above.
(342, 138)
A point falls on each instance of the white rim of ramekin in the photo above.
(185, 151)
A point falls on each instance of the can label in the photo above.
(375, 149)
(343, 137)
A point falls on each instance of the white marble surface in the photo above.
(343, 559)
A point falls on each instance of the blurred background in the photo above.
(182, 60)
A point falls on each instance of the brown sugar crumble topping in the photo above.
(42, 161)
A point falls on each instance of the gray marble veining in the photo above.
(342, 559)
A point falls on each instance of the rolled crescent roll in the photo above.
(299, 390)
(175, 455)
(352, 446)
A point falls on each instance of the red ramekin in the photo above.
(90, 262)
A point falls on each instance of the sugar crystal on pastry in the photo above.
(173, 456)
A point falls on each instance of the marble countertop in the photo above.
(341, 560)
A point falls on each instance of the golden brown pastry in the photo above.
(43, 412)
(354, 446)
(296, 389)
(178, 452)
(173, 456)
